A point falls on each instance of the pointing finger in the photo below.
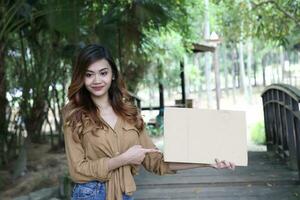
(226, 163)
(151, 150)
(218, 163)
(232, 165)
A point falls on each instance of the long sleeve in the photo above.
(153, 162)
(82, 169)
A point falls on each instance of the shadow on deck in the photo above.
(266, 177)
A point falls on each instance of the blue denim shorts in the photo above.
(93, 190)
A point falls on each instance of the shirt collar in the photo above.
(127, 126)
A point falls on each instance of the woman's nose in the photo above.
(97, 78)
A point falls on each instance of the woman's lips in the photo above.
(98, 88)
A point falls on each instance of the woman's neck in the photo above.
(101, 102)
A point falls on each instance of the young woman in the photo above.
(105, 136)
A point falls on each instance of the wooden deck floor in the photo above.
(266, 177)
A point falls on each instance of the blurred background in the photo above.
(209, 54)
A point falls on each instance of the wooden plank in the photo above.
(265, 177)
(202, 48)
(289, 192)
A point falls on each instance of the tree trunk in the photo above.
(254, 71)
(233, 58)
(242, 69)
(225, 66)
(276, 57)
(35, 118)
(120, 51)
(51, 133)
(237, 72)
(34, 100)
(207, 55)
(263, 63)
(290, 72)
(3, 103)
(289, 63)
(60, 131)
(249, 67)
(198, 85)
(20, 166)
(217, 77)
(161, 89)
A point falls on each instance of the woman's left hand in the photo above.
(223, 165)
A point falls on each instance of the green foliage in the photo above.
(165, 49)
(158, 129)
(154, 131)
(271, 23)
(147, 38)
(276, 20)
(258, 135)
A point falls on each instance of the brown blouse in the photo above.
(88, 160)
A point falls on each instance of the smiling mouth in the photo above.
(98, 88)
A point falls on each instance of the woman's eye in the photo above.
(103, 73)
(88, 75)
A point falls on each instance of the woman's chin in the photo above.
(98, 94)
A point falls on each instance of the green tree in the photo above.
(10, 21)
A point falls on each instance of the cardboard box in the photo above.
(200, 136)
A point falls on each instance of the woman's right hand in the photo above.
(136, 154)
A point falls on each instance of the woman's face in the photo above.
(98, 78)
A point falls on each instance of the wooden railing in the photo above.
(282, 122)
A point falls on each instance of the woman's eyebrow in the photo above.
(105, 68)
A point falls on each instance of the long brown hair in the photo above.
(81, 106)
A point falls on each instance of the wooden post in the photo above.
(161, 98)
(267, 122)
(279, 126)
(161, 90)
(291, 137)
(297, 133)
(275, 123)
(183, 99)
(296, 122)
(217, 77)
(283, 123)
